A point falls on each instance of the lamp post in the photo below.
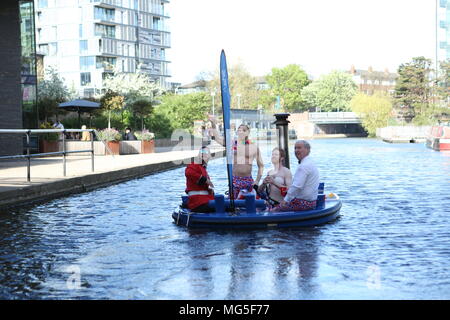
(239, 100)
(282, 123)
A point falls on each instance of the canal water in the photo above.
(392, 240)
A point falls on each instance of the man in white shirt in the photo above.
(59, 125)
(302, 194)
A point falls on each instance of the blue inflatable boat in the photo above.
(252, 213)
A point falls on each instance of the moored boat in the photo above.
(439, 138)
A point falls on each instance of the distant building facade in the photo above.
(86, 39)
(197, 86)
(370, 81)
(443, 30)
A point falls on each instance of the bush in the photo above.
(48, 136)
(144, 135)
(109, 135)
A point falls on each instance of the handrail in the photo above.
(28, 156)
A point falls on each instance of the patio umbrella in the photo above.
(80, 106)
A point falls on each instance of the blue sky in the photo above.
(321, 36)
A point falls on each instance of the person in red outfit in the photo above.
(199, 187)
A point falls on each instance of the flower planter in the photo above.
(48, 146)
(114, 148)
(148, 146)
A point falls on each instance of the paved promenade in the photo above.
(48, 181)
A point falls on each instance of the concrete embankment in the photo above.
(48, 182)
(403, 134)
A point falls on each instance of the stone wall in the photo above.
(10, 89)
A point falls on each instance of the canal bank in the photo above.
(48, 182)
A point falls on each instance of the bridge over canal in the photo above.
(310, 124)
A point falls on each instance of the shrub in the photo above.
(109, 135)
(48, 136)
(144, 135)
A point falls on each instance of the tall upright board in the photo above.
(225, 90)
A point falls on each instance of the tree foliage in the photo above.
(51, 92)
(375, 111)
(331, 92)
(111, 101)
(179, 112)
(443, 85)
(287, 83)
(142, 108)
(140, 93)
(132, 85)
(413, 89)
(242, 84)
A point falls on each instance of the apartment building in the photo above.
(86, 39)
(370, 81)
(442, 30)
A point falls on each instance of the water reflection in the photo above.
(395, 221)
(252, 264)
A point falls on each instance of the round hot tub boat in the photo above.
(253, 213)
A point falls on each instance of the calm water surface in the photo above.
(392, 240)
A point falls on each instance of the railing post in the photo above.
(64, 151)
(92, 150)
(28, 157)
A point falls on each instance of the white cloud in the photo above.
(319, 35)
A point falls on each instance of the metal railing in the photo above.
(28, 155)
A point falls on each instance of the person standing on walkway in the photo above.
(199, 187)
(244, 153)
(302, 194)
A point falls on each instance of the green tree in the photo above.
(184, 109)
(111, 101)
(413, 89)
(444, 82)
(139, 91)
(287, 83)
(331, 92)
(142, 107)
(179, 112)
(375, 110)
(51, 92)
(242, 84)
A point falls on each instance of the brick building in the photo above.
(369, 81)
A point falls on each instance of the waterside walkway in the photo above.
(48, 181)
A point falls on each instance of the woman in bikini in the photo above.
(278, 179)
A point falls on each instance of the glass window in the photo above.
(43, 48)
(105, 62)
(104, 14)
(83, 46)
(42, 4)
(53, 49)
(85, 78)
(86, 63)
(105, 31)
(156, 23)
